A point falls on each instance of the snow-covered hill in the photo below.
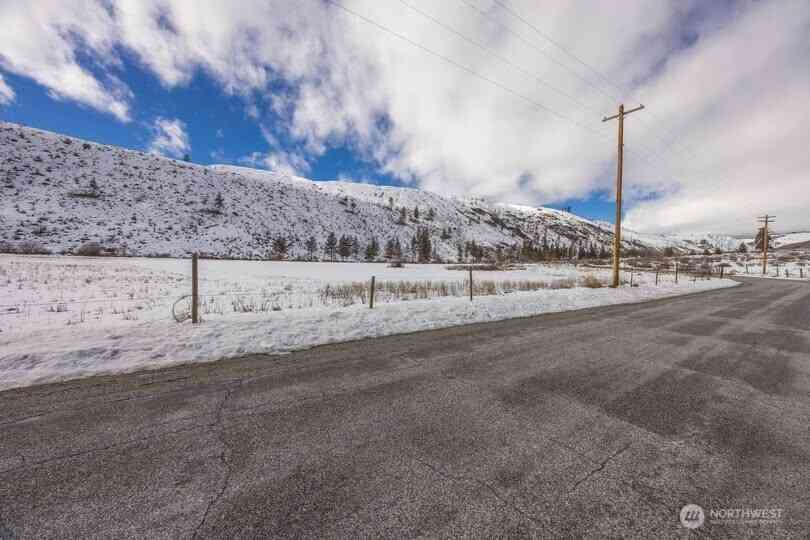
(783, 241)
(62, 192)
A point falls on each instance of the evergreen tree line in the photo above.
(420, 248)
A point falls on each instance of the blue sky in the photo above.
(459, 97)
(218, 125)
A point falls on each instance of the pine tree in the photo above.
(93, 185)
(372, 249)
(758, 242)
(403, 216)
(743, 248)
(431, 215)
(424, 245)
(219, 202)
(344, 247)
(280, 247)
(416, 213)
(330, 245)
(355, 246)
(312, 246)
(388, 253)
(397, 249)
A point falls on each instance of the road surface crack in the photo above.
(223, 459)
(456, 478)
(602, 464)
(113, 446)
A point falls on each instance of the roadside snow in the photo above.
(63, 353)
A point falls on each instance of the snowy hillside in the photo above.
(62, 192)
(683, 243)
(792, 240)
(786, 241)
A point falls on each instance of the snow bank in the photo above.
(50, 355)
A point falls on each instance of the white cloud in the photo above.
(291, 163)
(170, 138)
(727, 81)
(42, 39)
(6, 92)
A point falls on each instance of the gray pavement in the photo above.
(601, 423)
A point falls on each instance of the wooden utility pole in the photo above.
(766, 239)
(195, 315)
(617, 232)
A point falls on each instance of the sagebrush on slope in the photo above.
(62, 192)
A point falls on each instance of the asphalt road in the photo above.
(599, 423)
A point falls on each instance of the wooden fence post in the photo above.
(721, 272)
(195, 310)
(676, 271)
(471, 285)
(371, 296)
(656, 277)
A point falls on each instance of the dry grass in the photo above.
(398, 291)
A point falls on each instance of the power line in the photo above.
(533, 45)
(551, 40)
(464, 68)
(598, 73)
(609, 95)
(519, 68)
(474, 73)
(494, 54)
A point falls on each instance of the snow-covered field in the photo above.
(780, 266)
(70, 317)
(39, 292)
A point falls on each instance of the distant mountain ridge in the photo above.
(62, 192)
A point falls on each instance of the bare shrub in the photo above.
(592, 282)
(489, 267)
(31, 247)
(567, 283)
(89, 249)
(252, 304)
